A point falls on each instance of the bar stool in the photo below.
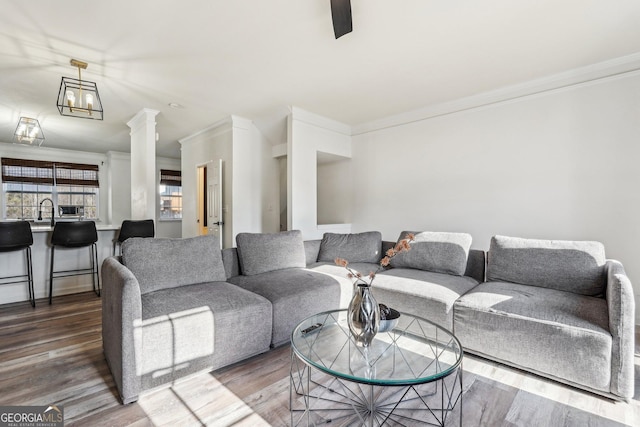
(75, 234)
(134, 228)
(16, 236)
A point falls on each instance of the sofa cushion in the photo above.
(295, 294)
(360, 247)
(572, 266)
(422, 293)
(558, 334)
(340, 274)
(168, 263)
(262, 252)
(435, 251)
(192, 328)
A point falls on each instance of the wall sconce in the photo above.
(79, 98)
(28, 132)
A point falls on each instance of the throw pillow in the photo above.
(360, 247)
(572, 266)
(439, 252)
(262, 252)
(169, 263)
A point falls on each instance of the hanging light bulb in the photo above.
(71, 100)
(89, 99)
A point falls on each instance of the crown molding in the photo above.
(221, 126)
(226, 124)
(612, 69)
(241, 122)
(118, 155)
(50, 153)
(320, 121)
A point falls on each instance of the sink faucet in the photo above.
(40, 210)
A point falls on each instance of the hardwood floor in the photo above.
(53, 354)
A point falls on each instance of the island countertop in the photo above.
(100, 227)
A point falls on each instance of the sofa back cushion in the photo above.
(572, 266)
(262, 252)
(169, 263)
(360, 247)
(439, 252)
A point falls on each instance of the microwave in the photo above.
(71, 211)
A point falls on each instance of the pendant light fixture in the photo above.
(79, 98)
(28, 132)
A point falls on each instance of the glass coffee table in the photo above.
(410, 375)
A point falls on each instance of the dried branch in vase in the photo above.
(403, 245)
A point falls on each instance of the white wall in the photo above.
(120, 189)
(215, 142)
(119, 186)
(256, 190)
(250, 175)
(267, 176)
(309, 134)
(282, 185)
(562, 164)
(335, 192)
(144, 178)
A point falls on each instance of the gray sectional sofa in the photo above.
(556, 308)
(168, 312)
(174, 307)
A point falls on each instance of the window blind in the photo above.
(76, 174)
(27, 171)
(50, 173)
(170, 177)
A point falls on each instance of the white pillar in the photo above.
(143, 164)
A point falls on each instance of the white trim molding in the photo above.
(614, 68)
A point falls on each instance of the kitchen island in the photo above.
(14, 263)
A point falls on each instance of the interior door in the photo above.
(201, 209)
(215, 221)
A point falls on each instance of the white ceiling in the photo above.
(254, 58)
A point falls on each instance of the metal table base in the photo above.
(317, 398)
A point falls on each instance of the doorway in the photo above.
(209, 199)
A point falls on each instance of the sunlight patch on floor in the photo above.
(554, 391)
(189, 402)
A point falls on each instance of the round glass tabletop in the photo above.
(415, 351)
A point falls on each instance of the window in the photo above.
(170, 194)
(26, 183)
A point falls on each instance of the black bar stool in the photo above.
(134, 228)
(16, 236)
(75, 234)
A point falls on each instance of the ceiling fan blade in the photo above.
(341, 14)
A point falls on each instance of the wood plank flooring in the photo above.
(53, 354)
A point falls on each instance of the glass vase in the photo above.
(363, 315)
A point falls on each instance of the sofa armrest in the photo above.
(121, 316)
(621, 306)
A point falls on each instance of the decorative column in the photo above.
(143, 164)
